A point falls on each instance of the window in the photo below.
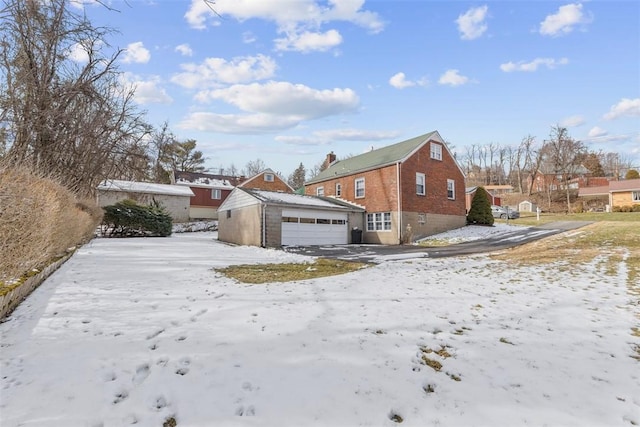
(268, 177)
(338, 221)
(420, 189)
(323, 221)
(380, 221)
(228, 214)
(320, 191)
(436, 151)
(289, 219)
(307, 220)
(635, 196)
(359, 188)
(451, 189)
(216, 194)
(422, 218)
(338, 189)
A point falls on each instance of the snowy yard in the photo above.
(135, 331)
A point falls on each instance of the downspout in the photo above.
(264, 225)
(399, 203)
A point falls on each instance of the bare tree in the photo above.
(564, 154)
(69, 118)
(254, 167)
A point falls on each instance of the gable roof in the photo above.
(144, 187)
(293, 200)
(275, 176)
(375, 159)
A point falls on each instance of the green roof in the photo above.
(373, 159)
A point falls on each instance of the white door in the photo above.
(309, 227)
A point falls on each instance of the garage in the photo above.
(311, 227)
(276, 219)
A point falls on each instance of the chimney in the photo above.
(331, 157)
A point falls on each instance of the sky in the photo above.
(135, 331)
(288, 81)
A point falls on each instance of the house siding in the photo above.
(244, 226)
(258, 182)
(623, 198)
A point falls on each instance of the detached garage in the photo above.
(273, 219)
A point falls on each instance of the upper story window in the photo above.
(359, 188)
(320, 191)
(420, 184)
(216, 194)
(451, 189)
(436, 151)
(338, 189)
(268, 177)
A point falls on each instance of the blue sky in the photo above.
(287, 81)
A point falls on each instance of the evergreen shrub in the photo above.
(480, 211)
(129, 219)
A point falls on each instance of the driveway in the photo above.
(379, 253)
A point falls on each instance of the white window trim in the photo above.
(453, 189)
(338, 189)
(269, 177)
(214, 192)
(357, 181)
(422, 182)
(381, 219)
(320, 191)
(436, 151)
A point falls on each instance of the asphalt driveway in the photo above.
(379, 253)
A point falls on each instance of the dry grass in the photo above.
(264, 273)
(39, 221)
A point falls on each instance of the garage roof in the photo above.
(290, 199)
(144, 187)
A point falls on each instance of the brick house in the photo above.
(618, 194)
(409, 190)
(209, 191)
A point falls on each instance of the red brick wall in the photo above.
(437, 172)
(259, 183)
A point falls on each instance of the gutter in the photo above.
(264, 224)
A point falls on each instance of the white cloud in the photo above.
(626, 107)
(572, 121)
(564, 21)
(596, 132)
(215, 71)
(452, 78)
(136, 52)
(471, 24)
(286, 99)
(309, 41)
(356, 135)
(399, 81)
(531, 66)
(184, 49)
(299, 20)
(248, 37)
(147, 91)
(270, 107)
(237, 123)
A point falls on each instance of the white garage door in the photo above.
(308, 227)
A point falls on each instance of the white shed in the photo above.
(527, 206)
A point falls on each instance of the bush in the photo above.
(39, 221)
(480, 211)
(129, 219)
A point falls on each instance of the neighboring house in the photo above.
(617, 194)
(174, 199)
(470, 192)
(273, 219)
(411, 189)
(498, 189)
(267, 180)
(209, 191)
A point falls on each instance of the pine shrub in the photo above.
(129, 219)
(480, 211)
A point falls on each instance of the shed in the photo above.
(273, 219)
(527, 206)
(174, 198)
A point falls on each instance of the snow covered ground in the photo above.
(134, 331)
